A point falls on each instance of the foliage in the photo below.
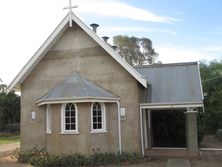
(200, 129)
(2, 86)
(136, 51)
(41, 158)
(9, 110)
(169, 128)
(211, 75)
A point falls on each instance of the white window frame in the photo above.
(48, 119)
(103, 107)
(63, 130)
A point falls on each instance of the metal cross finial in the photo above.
(70, 7)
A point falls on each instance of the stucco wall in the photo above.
(75, 51)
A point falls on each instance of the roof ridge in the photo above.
(83, 85)
(166, 65)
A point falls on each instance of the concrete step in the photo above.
(168, 153)
(178, 163)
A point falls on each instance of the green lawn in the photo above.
(9, 138)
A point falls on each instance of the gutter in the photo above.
(141, 132)
(119, 127)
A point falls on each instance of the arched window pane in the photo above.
(70, 117)
(97, 116)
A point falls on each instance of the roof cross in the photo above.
(70, 7)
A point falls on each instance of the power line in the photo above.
(211, 79)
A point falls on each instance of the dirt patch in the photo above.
(8, 162)
(209, 141)
(6, 149)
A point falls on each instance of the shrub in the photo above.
(41, 158)
(27, 155)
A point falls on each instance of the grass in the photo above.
(9, 138)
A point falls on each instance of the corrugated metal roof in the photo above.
(172, 83)
(76, 87)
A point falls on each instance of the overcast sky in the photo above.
(181, 30)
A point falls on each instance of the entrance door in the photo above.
(168, 128)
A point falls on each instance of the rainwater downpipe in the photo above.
(119, 127)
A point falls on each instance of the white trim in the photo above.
(38, 55)
(201, 87)
(63, 130)
(169, 148)
(95, 132)
(48, 119)
(78, 100)
(141, 131)
(165, 105)
(103, 108)
(145, 129)
(119, 127)
(55, 36)
(109, 50)
(210, 149)
(69, 133)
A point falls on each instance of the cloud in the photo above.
(114, 8)
(213, 49)
(118, 29)
(173, 55)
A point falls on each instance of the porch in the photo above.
(151, 144)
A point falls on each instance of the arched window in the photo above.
(69, 118)
(98, 117)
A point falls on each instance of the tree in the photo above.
(211, 75)
(9, 108)
(136, 51)
(2, 86)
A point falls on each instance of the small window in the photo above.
(69, 118)
(98, 118)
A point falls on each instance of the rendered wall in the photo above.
(75, 51)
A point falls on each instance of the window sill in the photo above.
(70, 133)
(101, 131)
(49, 132)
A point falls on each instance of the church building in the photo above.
(79, 96)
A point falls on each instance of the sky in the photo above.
(181, 30)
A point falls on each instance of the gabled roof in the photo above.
(76, 88)
(41, 52)
(176, 83)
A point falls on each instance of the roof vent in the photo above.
(105, 38)
(94, 27)
(114, 47)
